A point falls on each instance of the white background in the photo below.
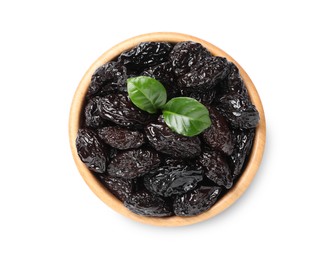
(46, 209)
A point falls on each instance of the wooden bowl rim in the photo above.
(238, 189)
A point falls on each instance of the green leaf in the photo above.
(146, 93)
(186, 116)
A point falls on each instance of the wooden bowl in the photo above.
(113, 202)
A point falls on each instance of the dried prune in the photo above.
(196, 201)
(238, 110)
(147, 204)
(119, 187)
(119, 109)
(91, 151)
(91, 113)
(133, 163)
(121, 138)
(172, 179)
(217, 168)
(186, 55)
(164, 73)
(244, 140)
(164, 140)
(204, 75)
(146, 54)
(233, 83)
(205, 97)
(110, 77)
(218, 135)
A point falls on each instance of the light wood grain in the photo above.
(105, 195)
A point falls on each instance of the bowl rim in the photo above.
(231, 196)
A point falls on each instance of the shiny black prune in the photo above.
(119, 109)
(119, 187)
(186, 55)
(172, 179)
(91, 151)
(121, 138)
(196, 201)
(205, 97)
(233, 83)
(133, 163)
(165, 74)
(238, 110)
(146, 54)
(204, 75)
(217, 168)
(91, 113)
(218, 136)
(110, 77)
(164, 140)
(145, 203)
(244, 139)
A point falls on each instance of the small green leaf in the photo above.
(186, 116)
(146, 93)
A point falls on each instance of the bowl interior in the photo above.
(231, 196)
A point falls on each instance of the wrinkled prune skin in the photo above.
(217, 168)
(238, 110)
(119, 187)
(91, 151)
(205, 97)
(233, 83)
(204, 75)
(164, 140)
(186, 55)
(121, 138)
(110, 77)
(146, 54)
(244, 140)
(145, 203)
(219, 136)
(172, 179)
(196, 201)
(91, 113)
(119, 109)
(133, 163)
(165, 74)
